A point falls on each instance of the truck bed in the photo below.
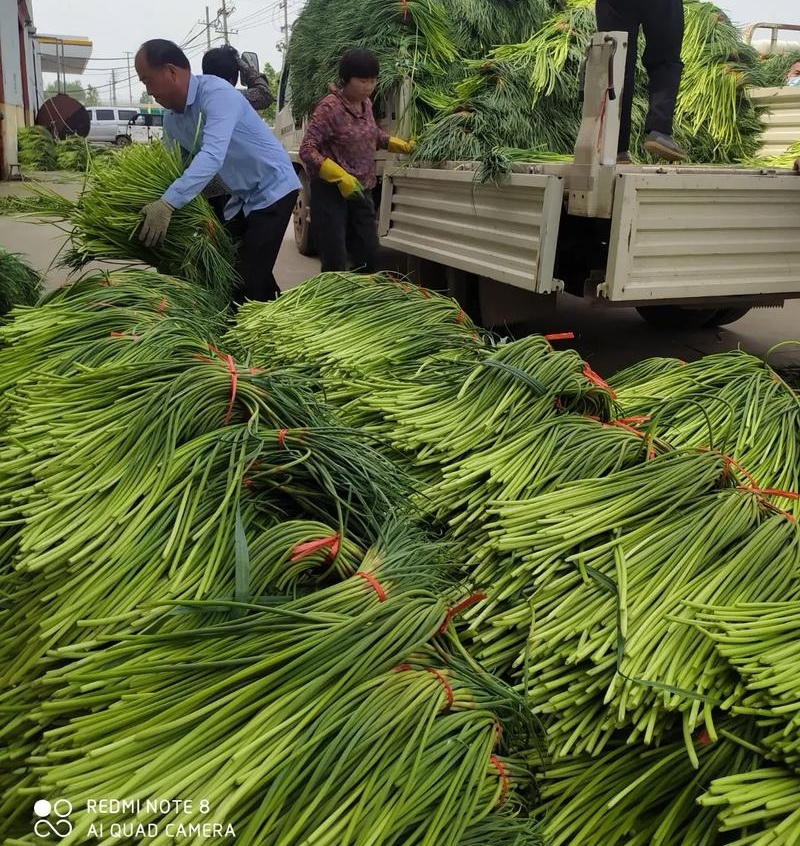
(688, 233)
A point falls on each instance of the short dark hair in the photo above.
(222, 62)
(362, 64)
(159, 52)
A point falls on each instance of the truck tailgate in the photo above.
(709, 234)
(507, 233)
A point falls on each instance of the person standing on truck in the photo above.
(662, 24)
(210, 120)
(338, 151)
(226, 63)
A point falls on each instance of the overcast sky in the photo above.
(115, 27)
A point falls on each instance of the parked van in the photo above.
(110, 124)
(144, 128)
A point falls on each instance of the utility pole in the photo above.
(223, 13)
(130, 87)
(208, 28)
(113, 87)
(283, 44)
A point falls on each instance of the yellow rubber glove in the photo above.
(347, 184)
(157, 216)
(397, 145)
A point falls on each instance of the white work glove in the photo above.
(157, 216)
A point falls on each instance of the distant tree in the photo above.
(91, 96)
(272, 81)
(146, 98)
(71, 87)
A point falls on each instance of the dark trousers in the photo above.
(662, 24)
(343, 228)
(259, 236)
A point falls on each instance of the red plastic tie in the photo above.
(301, 550)
(601, 131)
(126, 335)
(374, 584)
(228, 361)
(448, 690)
(770, 492)
(597, 380)
(402, 668)
(560, 336)
(495, 761)
(404, 4)
(460, 316)
(729, 462)
(281, 435)
(162, 306)
(703, 737)
(459, 607)
(247, 482)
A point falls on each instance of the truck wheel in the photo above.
(122, 140)
(677, 317)
(302, 218)
(724, 316)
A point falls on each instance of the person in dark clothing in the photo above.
(226, 63)
(662, 24)
(338, 151)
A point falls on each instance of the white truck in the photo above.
(687, 246)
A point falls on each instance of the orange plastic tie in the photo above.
(459, 607)
(448, 689)
(281, 436)
(770, 492)
(229, 363)
(597, 380)
(498, 765)
(560, 336)
(301, 550)
(374, 584)
(703, 737)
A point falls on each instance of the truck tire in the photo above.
(301, 217)
(724, 316)
(677, 317)
(122, 140)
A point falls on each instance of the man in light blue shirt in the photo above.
(210, 120)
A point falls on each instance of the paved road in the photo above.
(608, 339)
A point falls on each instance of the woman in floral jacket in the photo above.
(338, 153)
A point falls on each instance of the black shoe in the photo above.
(664, 146)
